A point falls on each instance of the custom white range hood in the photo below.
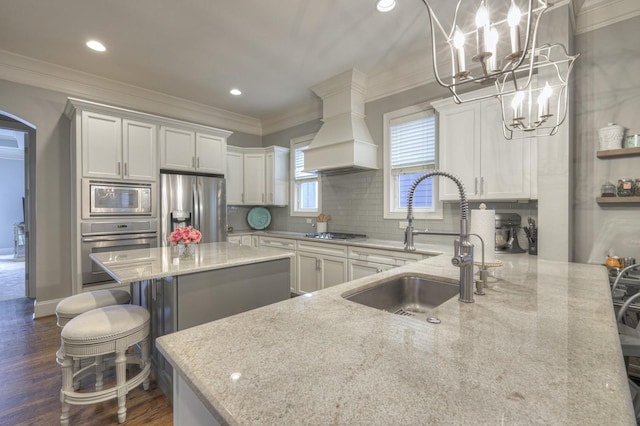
(343, 144)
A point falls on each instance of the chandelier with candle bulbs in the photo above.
(498, 46)
(541, 107)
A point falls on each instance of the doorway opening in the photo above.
(17, 209)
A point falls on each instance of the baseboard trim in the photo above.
(45, 308)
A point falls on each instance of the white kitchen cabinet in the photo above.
(258, 176)
(365, 261)
(189, 150)
(254, 175)
(277, 176)
(320, 265)
(287, 245)
(472, 147)
(235, 176)
(244, 240)
(359, 269)
(116, 148)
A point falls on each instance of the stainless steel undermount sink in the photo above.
(405, 295)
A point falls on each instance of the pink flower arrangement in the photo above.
(185, 235)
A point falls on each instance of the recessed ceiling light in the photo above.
(235, 92)
(96, 45)
(386, 5)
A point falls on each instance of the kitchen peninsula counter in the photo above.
(541, 347)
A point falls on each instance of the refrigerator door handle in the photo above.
(200, 206)
(196, 206)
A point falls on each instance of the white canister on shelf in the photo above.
(611, 136)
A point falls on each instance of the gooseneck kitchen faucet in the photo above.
(463, 248)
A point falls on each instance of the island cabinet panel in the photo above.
(177, 303)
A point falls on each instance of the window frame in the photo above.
(293, 206)
(389, 188)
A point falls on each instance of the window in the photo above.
(409, 152)
(305, 186)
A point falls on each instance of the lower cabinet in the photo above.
(360, 269)
(320, 265)
(244, 240)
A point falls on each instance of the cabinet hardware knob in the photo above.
(119, 167)
(125, 169)
(197, 162)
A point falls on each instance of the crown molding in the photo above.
(310, 110)
(32, 72)
(594, 14)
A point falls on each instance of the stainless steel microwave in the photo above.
(117, 199)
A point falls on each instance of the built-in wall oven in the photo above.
(98, 237)
(103, 199)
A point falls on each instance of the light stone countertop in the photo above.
(145, 264)
(422, 248)
(541, 347)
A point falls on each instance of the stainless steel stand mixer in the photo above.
(507, 225)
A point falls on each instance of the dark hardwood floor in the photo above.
(30, 378)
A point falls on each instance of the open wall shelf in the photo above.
(618, 200)
(613, 153)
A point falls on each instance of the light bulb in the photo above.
(546, 93)
(482, 16)
(458, 38)
(517, 100)
(514, 15)
(385, 5)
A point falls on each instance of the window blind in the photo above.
(413, 142)
(299, 163)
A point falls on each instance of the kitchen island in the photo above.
(182, 291)
(541, 347)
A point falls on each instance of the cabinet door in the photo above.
(307, 270)
(254, 188)
(277, 176)
(139, 150)
(459, 146)
(235, 177)
(505, 164)
(236, 239)
(333, 271)
(358, 269)
(101, 146)
(177, 149)
(210, 154)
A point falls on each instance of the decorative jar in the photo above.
(611, 136)
(626, 187)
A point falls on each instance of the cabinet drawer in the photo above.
(386, 257)
(322, 248)
(275, 242)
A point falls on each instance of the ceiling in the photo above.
(197, 50)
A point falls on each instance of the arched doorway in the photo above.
(17, 152)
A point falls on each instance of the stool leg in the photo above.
(99, 372)
(144, 349)
(67, 385)
(121, 383)
(76, 367)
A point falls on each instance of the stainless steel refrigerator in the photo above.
(193, 199)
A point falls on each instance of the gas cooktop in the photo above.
(335, 236)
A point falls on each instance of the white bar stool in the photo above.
(93, 334)
(72, 306)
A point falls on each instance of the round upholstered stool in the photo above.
(99, 332)
(72, 306)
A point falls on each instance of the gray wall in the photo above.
(355, 201)
(607, 90)
(11, 193)
(45, 110)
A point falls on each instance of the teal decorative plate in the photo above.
(259, 218)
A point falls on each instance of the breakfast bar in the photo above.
(180, 291)
(541, 347)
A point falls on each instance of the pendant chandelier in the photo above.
(487, 48)
(530, 81)
(540, 108)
